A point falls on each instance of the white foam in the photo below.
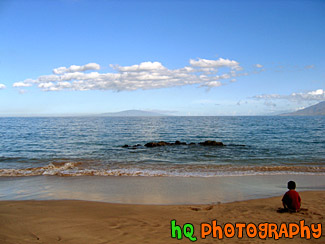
(72, 169)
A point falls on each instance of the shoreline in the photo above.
(154, 190)
(159, 204)
(75, 221)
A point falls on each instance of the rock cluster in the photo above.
(211, 143)
(163, 143)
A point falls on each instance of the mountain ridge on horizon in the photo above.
(316, 109)
(134, 113)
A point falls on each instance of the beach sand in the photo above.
(72, 221)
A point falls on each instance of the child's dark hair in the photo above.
(291, 185)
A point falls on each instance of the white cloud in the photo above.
(76, 68)
(46, 85)
(316, 92)
(22, 84)
(145, 66)
(219, 63)
(259, 66)
(2, 86)
(146, 75)
(317, 95)
(212, 84)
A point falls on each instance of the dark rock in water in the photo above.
(163, 143)
(151, 144)
(211, 143)
(179, 143)
(157, 144)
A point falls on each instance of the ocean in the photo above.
(93, 146)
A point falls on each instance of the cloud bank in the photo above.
(146, 75)
(2, 86)
(76, 68)
(317, 95)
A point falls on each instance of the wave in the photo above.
(51, 169)
(74, 169)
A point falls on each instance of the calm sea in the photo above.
(75, 146)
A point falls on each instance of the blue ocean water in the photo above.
(73, 146)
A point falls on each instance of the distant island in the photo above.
(134, 113)
(317, 109)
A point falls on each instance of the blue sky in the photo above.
(63, 57)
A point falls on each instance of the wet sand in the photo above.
(72, 221)
(154, 190)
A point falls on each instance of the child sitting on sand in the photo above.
(291, 199)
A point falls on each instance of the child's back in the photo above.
(291, 199)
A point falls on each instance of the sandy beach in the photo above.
(162, 122)
(71, 221)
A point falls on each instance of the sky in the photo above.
(214, 58)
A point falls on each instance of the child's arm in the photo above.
(284, 205)
(284, 201)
